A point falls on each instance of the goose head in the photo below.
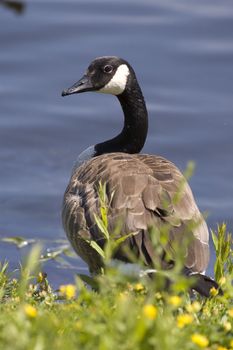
(108, 74)
(115, 76)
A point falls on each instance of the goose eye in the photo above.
(108, 69)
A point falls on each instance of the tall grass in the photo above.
(127, 310)
(121, 308)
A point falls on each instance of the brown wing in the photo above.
(145, 189)
(183, 208)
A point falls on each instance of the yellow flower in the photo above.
(231, 343)
(138, 287)
(194, 307)
(175, 300)
(213, 292)
(184, 320)
(200, 340)
(68, 291)
(230, 312)
(227, 326)
(221, 348)
(150, 311)
(30, 311)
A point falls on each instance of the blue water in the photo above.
(182, 52)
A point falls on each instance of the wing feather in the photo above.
(145, 189)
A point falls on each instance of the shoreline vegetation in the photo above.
(122, 310)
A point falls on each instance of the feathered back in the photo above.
(143, 190)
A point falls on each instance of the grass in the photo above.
(124, 311)
(122, 308)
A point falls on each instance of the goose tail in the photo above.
(204, 284)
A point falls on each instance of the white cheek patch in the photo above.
(118, 82)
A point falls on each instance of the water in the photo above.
(182, 52)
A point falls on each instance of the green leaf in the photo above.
(97, 248)
(215, 240)
(123, 238)
(104, 216)
(101, 226)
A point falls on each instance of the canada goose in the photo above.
(140, 182)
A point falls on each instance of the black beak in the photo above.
(84, 84)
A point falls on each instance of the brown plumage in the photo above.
(141, 189)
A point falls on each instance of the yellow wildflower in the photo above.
(184, 320)
(30, 311)
(227, 326)
(138, 287)
(200, 340)
(68, 291)
(213, 292)
(194, 307)
(150, 311)
(231, 343)
(230, 312)
(221, 348)
(175, 300)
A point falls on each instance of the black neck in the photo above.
(133, 135)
